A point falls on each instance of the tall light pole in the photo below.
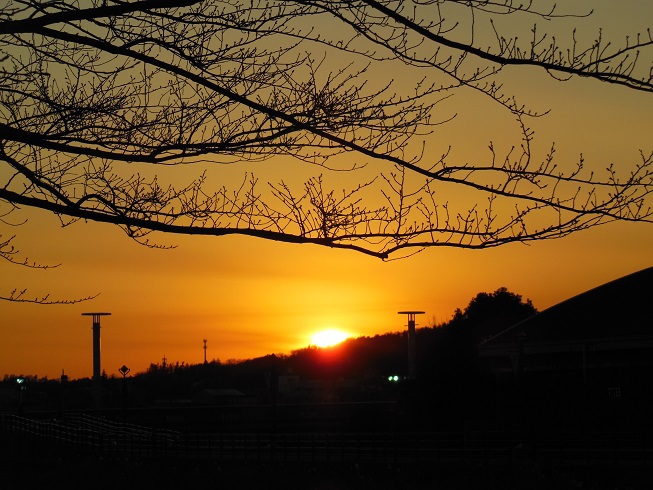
(412, 355)
(97, 376)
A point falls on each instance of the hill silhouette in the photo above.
(356, 370)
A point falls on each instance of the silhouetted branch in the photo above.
(11, 254)
(20, 296)
(90, 93)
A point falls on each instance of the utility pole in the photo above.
(204, 351)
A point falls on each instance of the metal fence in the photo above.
(84, 434)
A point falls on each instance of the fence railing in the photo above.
(101, 437)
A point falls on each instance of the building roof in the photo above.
(617, 309)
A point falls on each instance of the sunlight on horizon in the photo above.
(329, 337)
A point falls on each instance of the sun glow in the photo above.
(327, 338)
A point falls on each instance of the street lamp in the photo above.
(124, 370)
(21, 385)
(97, 377)
(412, 356)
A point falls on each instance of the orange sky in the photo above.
(250, 298)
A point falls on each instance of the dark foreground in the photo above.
(97, 473)
(116, 456)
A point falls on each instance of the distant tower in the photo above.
(97, 384)
(412, 362)
(204, 351)
(164, 361)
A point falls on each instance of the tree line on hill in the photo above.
(448, 366)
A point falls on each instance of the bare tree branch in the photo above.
(96, 97)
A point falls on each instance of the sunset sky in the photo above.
(250, 297)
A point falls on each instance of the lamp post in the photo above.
(21, 386)
(97, 378)
(124, 370)
(412, 356)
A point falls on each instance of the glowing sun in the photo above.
(327, 338)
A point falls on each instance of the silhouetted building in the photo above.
(223, 396)
(587, 359)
